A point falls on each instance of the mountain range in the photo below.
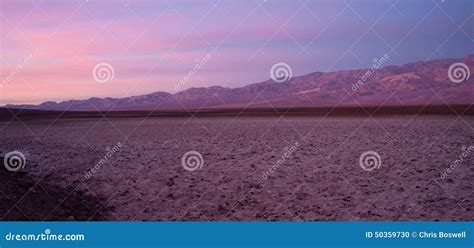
(416, 83)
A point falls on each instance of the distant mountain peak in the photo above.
(411, 83)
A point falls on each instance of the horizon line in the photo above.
(238, 87)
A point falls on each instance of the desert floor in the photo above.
(319, 180)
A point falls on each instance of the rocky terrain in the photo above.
(319, 176)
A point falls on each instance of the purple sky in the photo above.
(50, 48)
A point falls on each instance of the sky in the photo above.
(76, 49)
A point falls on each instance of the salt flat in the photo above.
(142, 176)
